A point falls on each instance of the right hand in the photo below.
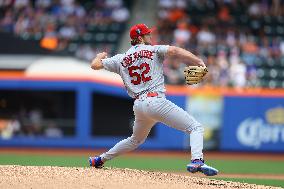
(97, 62)
(102, 55)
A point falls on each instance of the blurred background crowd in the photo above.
(66, 26)
(241, 41)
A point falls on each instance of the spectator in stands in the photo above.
(174, 72)
(52, 131)
(18, 4)
(50, 40)
(223, 66)
(205, 37)
(35, 119)
(254, 9)
(264, 47)
(21, 25)
(276, 7)
(68, 31)
(237, 73)
(168, 4)
(231, 39)
(43, 4)
(181, 34)
(224, 15)
(219, 26)
(5, 3)
(204, 27)
(251, 77)
(79, 11)
(70, 18)
(250, 50)
(7, 23)
(234, 57)
(281, 46)
(275, 47)
(213, 75)
(176, 14)
(120, 14)
(237, 70)
(113, 3)
(86, 52)
(9, 127)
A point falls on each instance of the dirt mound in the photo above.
(107, 178)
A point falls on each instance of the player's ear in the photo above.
(140, 39)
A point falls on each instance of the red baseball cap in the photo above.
(138, 30)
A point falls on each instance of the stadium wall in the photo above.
(250, 119)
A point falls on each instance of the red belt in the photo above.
(149, 94)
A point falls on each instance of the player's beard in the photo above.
(147, 43)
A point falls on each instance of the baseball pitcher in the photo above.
(141, 69)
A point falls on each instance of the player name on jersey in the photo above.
(131, 58)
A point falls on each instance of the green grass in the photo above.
(224, 166)
(147, 163)
(249, 166)
(41, 160)
(268, 182)
(156, 163)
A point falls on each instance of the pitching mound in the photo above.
(66, 177)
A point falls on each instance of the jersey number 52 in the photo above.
(137, 77)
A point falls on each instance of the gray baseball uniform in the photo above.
(141, 69)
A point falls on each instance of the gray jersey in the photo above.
(141, 68)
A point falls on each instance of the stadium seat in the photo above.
(255, 24)
(101, 37)
(282, 84)
(263, 73)
(270, 62)
(244, 21)
(281, 74)
(72, 47)
(260, 73)
(116, 27)
(281, 61)
(87, 38)
(272, 84)
(268, 30)
(280, 30)
(274, 73)
(267, 19)
(280, 20)
(258, 62)
(112, 37)
(264, 83)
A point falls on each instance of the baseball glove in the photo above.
(194, 74)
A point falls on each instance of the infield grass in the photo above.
(156, 164)
(147, 163)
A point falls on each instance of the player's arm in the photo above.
(97, 62)
(190, 58)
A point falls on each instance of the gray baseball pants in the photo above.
(148, 111)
